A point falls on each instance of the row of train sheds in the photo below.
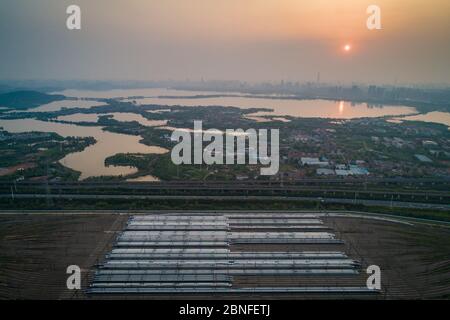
(229, 254)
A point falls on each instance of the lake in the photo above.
(147, 178)
(91, 161)
(126, 93)
(58, 105)
(435, 117)
(281, 106)
(289, 107)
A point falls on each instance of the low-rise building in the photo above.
(358, 171)
(305, 161)
(429, 143)
(325, 172)
(423, 158)
(341, 172)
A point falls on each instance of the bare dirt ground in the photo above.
(414, 259)
(35, 251)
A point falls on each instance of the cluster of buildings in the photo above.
(325, 167)
(395, 142)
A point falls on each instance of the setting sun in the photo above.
(347, 47)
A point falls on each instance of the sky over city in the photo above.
(251, 40)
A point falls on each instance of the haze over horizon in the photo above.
(250, 41)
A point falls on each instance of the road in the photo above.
(392, 204)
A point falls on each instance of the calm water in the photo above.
(91, 161)
(289, 107)
(125, 93)
(281, 107)
(58, 105)
(148, 178)
(435, 117)
(80, 117)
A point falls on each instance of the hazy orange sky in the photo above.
(254, 40)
